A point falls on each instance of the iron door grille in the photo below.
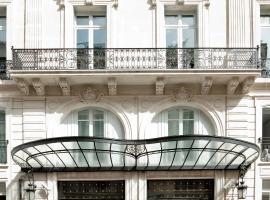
(90, 190)
(184, 189)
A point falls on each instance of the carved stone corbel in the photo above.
(248, 82)
(112, 86)
(115, 3)
(89, 2)
(65, 87)
(232, 85)
(23, 86)
(38, 86)
(160, 86)
(153, 3)
(90, 94)
(207, 3)
(206, 85)
(182, 94)
(61, 3)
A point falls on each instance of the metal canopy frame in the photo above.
(190, 152)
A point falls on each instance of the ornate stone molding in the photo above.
(160, 86)
(206, 3)
(247, 84)
(65, 87)
(206, 85)
(183, 94)
(38, 86)
(23, 86)
(90, 94)
(112, 86)
(232, 85)
(61, 3)
(153, 3)
(115, 3)
(180, 2)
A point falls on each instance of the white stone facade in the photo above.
(37, 102)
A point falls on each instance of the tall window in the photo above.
(91, 33)
(3, 143)
(265, 189)
(181, 31)
(2, 38)
(265, 39)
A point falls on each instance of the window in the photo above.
(3, 142)
(181, 31)
(265, 39)
(2, 42)
(180, 189)
(91, 40)
(91, 122)
(265, 145)
(181, 121)
(265, 189)
(2, 191)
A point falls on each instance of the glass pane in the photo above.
(83, 128)
(171, 38)
(82, 20)
(265, 195)
(173, 114)
(188, 20)
(188, 38)
(266, 185)
(99, 21)
(100, 38)
(265, 41)
(98, 115)
(2, 37)
(171, 19)
(98, 128)
(265, 20)
(173, 127)
(188, 127)
(82, 38)
(188, 114)
(83, 115)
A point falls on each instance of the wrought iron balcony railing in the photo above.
(3, 151)
(135, 59)
(4, 69)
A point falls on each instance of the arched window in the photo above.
(96, 122)
(181, 121)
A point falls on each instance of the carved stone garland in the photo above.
(90, 94)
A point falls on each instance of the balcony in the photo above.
(3, 151)
(136, 66)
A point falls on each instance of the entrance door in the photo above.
(188, 189)
(90, 190)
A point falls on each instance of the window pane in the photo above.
(82, 38)
(171, 38)
(98, 115)
(188, 20)
(82, 20)
(99, 21)
(173, 127)
(265, 20)
(188, 114)
(188, 127)
(98, 128)
(173, 114)
(83, 128)
(83, 115)
(188, 37)
(100, 38)
(2, 37)
(2, 126)
(171, 19)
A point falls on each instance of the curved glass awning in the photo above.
(192, 152)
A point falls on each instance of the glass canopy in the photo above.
(192, 152)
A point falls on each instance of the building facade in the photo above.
(134, 99)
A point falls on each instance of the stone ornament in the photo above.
(90, 94)
(182, 94)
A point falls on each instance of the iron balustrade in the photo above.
(189, 152)
(3, 151)
(135, 59)
(5, 65)
(265, 148)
